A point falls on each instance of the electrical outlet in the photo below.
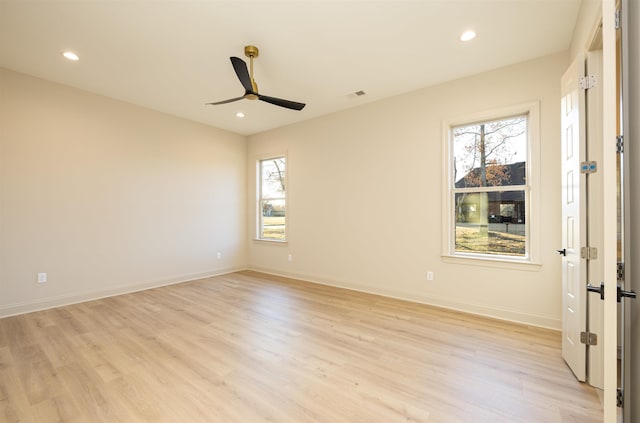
(290, 258)
(429, 276)
(219, 255)
(42, 277)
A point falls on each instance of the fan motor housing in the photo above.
(251, 51)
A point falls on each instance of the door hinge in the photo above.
(620, 144)
(620, 398)
(588, 167)
(620, 271)
(589, 253)
(587, 82)
(588, 338)
(618, 19)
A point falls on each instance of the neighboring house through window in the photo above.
(272, 199)
(490, 178)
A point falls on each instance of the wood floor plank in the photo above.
(249, 347)
(14, 405)
(60, 408)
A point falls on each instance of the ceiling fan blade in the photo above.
(240, 67)
(224, 101)
(282, 103)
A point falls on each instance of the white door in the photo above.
(595, 274)
(573, 147)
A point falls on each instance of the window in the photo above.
(272, 199)
(488, 203)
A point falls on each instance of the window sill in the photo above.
(270, 241)
(496, 263)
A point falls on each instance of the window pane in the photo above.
(491, 223)
(490, 153)
(271, 207)
(273, 219)
(273, 177)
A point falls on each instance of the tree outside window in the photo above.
(490, 189)
(272, 199)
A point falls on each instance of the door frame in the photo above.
(631, 94)
(609, 253)
(594, 306)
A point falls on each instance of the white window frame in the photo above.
(532, 189)
(259, 197)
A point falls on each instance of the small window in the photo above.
(489, 172)
(272, 199)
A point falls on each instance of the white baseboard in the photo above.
(514, 316)
(481, 310)
(63, 300)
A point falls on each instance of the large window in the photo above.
(489, 188)
(272, 199)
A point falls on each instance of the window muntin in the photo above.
(272, 199)
(489, 188)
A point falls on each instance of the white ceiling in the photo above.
(173, 56)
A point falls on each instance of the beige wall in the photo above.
(365, 207)
(106, 197)
(588, 20)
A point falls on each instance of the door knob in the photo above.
(625, 294)
(562, 252)
(597, 289)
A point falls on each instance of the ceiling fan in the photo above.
(250, 86)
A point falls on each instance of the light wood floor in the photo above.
(247, 347)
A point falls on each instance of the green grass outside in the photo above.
(273, 227)
(470, 240)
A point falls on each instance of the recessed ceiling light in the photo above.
(71, 56)
(467, 36)
(240, 114)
